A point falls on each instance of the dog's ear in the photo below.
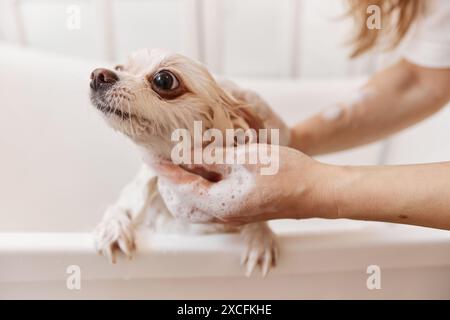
(245, 109)
(239, 105)
(248, 114)
(232, 109)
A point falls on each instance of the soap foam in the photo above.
(335, 112)
(332, 113)
(220, 199)
(360, 96)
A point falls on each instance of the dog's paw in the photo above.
(115, 233)
(260, 248)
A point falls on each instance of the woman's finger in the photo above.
(210, 172)
(177, 175)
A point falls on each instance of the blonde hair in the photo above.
(397, 16)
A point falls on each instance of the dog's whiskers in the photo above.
(133, 133)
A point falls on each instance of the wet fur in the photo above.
(134, 109)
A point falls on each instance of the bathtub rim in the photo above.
(46, 256)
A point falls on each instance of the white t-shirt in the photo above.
(429, 42)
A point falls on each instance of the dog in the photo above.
(146, 99)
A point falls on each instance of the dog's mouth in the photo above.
(108, 110)
(129, 122)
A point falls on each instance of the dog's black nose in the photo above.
(102, 79)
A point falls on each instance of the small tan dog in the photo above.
(147, 98)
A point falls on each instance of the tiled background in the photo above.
(251, 38)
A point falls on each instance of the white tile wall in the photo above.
(252, 38)
(256, 38)
(45, 27)
(155, 23)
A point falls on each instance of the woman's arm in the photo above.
(392, 100)
(305, 188)
(413, 194)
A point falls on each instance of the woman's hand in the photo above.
(239, 193)
(305, 188)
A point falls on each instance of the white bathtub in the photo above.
(61, 166)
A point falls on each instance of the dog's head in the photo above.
(156, 92)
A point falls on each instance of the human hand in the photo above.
(239, 193)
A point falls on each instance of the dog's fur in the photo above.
(148, 117)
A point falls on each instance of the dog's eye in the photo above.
(165, 81)
(119, 67)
